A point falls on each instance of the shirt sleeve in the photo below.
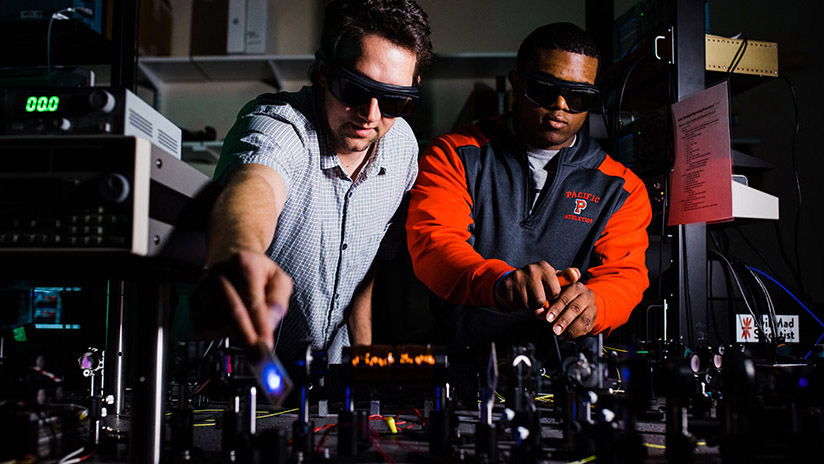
(437, 229)
(619, 281)
(259, 138)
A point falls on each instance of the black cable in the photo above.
(750, 308)
(797, 183)
(727, 281)
(710, 300)
(558, 351)
(771, 313)
(619, 123)
(611, 128)
(794, 268)
(607, 126)
(734, 260)
(755, 249)
(747, 277)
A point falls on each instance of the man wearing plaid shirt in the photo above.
(313, 181)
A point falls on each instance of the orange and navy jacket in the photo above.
(470, 219)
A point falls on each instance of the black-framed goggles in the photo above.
(353, 89)
(543, 90)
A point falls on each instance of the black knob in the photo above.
(62, 124)
(102, 100)
(114, 188)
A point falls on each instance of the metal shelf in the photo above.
(279, 68)
(268, 68)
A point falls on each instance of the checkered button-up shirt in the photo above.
(331, 226)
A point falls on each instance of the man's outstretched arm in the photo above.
(245, 294)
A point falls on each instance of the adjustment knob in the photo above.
(102, 100)
(114, 188)
(62, 124)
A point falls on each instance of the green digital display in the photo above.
(43, 104)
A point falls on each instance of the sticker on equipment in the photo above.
(747, 331)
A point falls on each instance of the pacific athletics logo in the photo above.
(581, 203)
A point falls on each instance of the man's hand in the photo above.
(555, 296)
(243, 297)
(532, 286)
(573, 312)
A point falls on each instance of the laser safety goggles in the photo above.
(353, 89)
(544, 89)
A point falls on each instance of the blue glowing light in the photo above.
(273, 380)
(802, 382)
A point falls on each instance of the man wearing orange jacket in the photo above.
(522, 223)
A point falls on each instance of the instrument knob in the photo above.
(114, 188)
(63, 124)
(102, 100)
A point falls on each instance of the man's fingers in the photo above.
(573, 313)
(568, 276)
(551, 286)
(536, 293)
(567, 296)
(243, 322)
(567, 315)
(533, 286)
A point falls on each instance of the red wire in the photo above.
(87, 456)
(324, 427)
(328, 428)
(372, 437)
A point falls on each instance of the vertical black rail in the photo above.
(691, 316)
(148, 339)
(124, 32)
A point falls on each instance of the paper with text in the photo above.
(701, 187)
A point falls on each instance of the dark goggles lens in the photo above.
(353, 90)
(543, 90)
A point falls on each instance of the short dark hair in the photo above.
(556, 36)
(402, 22)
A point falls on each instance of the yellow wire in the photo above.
(615, 349)
(265, 414)
(652, 445)
(203, 425)
(277, 413)
(585, 460)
